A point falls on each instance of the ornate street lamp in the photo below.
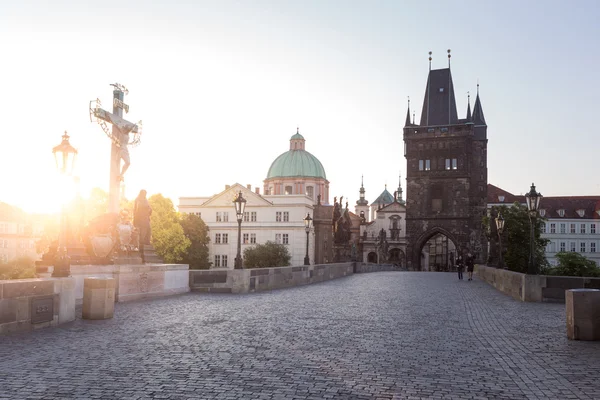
(240, 206)
(64, 155)
(500, 229)
(307, 223)
(533, 203)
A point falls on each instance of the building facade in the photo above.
(446, 176)
(276, 218)
(18, 234)
(571, 223)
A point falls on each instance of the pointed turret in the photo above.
(478, 118)
(407, 123)
(469, 117)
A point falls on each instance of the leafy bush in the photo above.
(574, 264)
(267, 255)
(18, 268)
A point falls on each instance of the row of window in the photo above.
(310, 191)
(583, 228)
(250, 216)
(584, 247)
(250, 238)
(448, 164)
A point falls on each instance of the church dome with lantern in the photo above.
(297, 172)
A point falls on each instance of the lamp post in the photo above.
(307, 223)
(500, 229)
(64, 156)
(533, 202)
(240, 206)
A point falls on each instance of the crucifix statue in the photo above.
(120, 138)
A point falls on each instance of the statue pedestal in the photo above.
(149, 256)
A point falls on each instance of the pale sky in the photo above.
(222, 85)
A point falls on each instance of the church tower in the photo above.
(446, 174)
(362, 205)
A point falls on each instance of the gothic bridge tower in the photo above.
(446, 178)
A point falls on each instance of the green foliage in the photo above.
(516, 238)
(196, 231)
(574, 264)
(267, 255)
(168, 236)
(19, 268)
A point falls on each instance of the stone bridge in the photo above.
(385, 335)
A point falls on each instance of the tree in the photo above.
(267, 255)
(574, 264)
(516, 238)
(18, 268)
(196, 231)
(168, 237)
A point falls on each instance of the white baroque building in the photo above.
(572, 222)
(19, 233)
(276, 218)
(295, 182)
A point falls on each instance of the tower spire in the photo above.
(407, 123)
(430, 60)
(449, 55)
(478, 117)
(399, 199)
(468, 106)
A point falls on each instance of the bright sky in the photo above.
(222, 85)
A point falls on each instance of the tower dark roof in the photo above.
(407, 123)
(469, 110)
(478, 118)
(439, 104)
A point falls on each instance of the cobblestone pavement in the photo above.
(388, 335)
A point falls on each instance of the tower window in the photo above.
(427, 165)
(310, 191)
(420, 165)
(441, 90)
(288, 190)
(454, 163)
(447, 163)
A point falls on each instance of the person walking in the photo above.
(460, 265)
(470, 266)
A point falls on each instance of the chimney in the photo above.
(227, 187)
(257, 190)
(249, 187)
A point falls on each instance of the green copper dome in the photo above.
(296, 163)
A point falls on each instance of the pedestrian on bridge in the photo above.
(460, 265)
(470, 266)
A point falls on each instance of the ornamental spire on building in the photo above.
(399, 192)
(478, 118)
(469, 107)
(407, 123)
(362, 201)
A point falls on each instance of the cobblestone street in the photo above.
(388, 335)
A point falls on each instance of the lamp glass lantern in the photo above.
(533, 199)
(500, 223)
(240, 206)
(65, 155)
(307, 223)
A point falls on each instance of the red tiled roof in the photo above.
(571, 204)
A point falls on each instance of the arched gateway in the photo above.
(446, 175)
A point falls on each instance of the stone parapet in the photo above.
(533, 287)
(27, 304)
(261, 279)
(137, 281)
